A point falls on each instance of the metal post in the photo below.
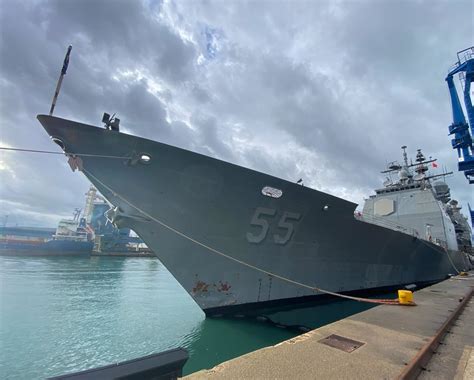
(60, 81)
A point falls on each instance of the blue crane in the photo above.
(462, 140)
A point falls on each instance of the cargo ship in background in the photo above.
(84, 234)
(70, 238)
(238, 240)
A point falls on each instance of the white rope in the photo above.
(445, 250)
(313, 288)
(61, 153)
(451, 261)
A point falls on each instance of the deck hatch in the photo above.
(341, 343)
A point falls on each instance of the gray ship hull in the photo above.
(204, 218)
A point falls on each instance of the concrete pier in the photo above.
(454, 358)
(386, 342)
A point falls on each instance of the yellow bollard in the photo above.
(405, 297)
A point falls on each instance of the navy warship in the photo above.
(237, 239)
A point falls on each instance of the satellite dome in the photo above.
(403, 174)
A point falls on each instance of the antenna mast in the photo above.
(405, 157)
(60, 80)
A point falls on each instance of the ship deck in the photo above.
(432, 340)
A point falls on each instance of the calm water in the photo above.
(59, 315)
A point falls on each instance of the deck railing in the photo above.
(379, 221)
(386, 223)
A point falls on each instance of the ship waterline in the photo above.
(212, 223)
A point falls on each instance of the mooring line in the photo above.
(452, 263)
(313, 288)
(62, 153)
(445, 250)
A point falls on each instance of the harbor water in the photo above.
(60, 315)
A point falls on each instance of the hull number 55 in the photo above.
(286, 224)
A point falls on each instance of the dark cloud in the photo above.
(325, 91)
(124, 33)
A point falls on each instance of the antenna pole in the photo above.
(60, 80)
(405, 157)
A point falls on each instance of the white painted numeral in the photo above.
(286, 222)
(260, 222)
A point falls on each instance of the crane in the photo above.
(462, 140)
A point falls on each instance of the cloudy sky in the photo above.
(326, 91)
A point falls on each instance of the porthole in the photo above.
(272, 192)
(145, 158)
(326, 207)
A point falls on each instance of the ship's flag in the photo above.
(66, 61)
(434, 164)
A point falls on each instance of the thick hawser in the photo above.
(212, 223)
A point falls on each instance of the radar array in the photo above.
(404, 173)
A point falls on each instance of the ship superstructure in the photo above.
(74, 229)
(416, 203)
(461, 226)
